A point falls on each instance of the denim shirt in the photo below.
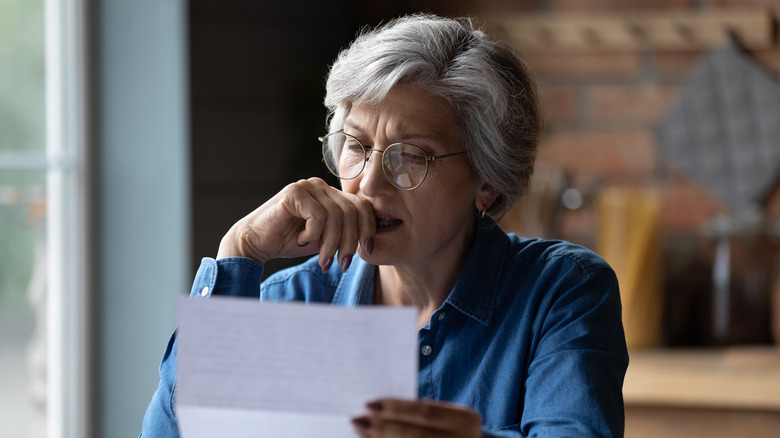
(530, 336)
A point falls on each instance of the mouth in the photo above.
(384, 223)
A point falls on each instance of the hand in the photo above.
(390, 418)
(306, 217)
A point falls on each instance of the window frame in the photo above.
(69, 220)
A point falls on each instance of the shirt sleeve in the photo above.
(574, 383)
(160, 418)
(232, 276)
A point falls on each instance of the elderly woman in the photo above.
(433, 131)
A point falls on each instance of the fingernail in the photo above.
(369, 245)
(374, 406)
(327, 264)
(362, 422)
(301, 245)
(345, 263)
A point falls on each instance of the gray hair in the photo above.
(488, 86)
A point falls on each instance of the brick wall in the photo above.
(602, 109)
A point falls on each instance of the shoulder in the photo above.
(553, 270)
(532, 268)
(564, 289)
(554, 253)
(520, 254)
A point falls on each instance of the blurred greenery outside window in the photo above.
(23, 169)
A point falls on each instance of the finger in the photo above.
(366, 224)
(332, 232)
(362, 426)
(349, 229)
(427, 413)
(377, 427)
(358, 224)
(337, 221)
(340, 229)
(308, 200)
(366, 221)
(302, 203)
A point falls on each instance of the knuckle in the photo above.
(363, 204)
(297, 184)
(245, 234)
(317, 182)
(246, 238)
(292, 190)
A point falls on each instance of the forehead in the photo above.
(405, 111)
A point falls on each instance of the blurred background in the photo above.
(134, 134)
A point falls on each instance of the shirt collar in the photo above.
(356, 286)
(476, 291)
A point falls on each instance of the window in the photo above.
(43, 242)
(22, 218)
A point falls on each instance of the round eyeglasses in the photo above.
(404, 165)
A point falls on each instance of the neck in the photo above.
(424, 285)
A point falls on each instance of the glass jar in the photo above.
(742, 256)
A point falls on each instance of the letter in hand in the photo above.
(306, 217)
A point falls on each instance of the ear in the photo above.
(485, 197)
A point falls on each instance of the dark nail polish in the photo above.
(362, 422)
(327, 264)
(374, 406)
(369, 245)
(345, 262)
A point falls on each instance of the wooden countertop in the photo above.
(734, 378)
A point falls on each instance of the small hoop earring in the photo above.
(482, 213)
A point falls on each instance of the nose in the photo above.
(372, 179)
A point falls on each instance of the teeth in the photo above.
(383, 221)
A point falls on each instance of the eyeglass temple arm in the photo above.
(446, 155)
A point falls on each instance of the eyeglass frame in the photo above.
(369, 150)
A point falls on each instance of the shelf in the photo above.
(698, 30)
(738, 378)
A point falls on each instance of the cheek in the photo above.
(430, 206)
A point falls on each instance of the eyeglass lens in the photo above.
(404, 165)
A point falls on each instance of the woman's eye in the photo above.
(353, 145)
(414, 158)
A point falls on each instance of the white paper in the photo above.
(251, 369)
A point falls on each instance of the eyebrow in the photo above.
(348, 124)
(402, 137)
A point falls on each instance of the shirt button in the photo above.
(426, 350)
(441, 316)
(204, 291)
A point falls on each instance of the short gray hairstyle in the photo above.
(488, 86)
